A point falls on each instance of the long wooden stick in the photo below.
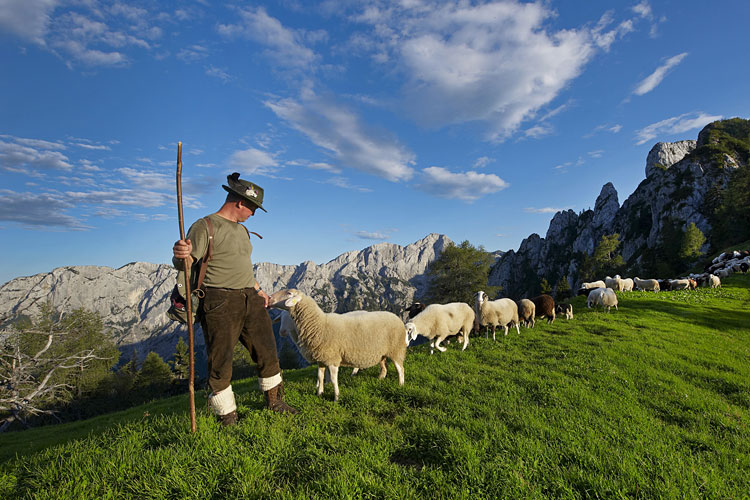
(189, 306)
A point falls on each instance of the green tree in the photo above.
(180, 363)
(605, 261)
(459, 273)
(155, 375)
(692, 241)
(544, 286)
(45, 362)
(562, 289)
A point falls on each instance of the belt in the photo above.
(231, 289)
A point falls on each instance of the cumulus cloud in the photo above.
(654, 79)
(494, 62)
(254, 161)
(342, 134)
(285, 46)
(674, 125)
(467, 186)
(27, 19)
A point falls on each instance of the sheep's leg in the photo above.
(383, 368)
(432, 346)
(518, 329)
(487, 332)
(355, 371)
(400, 370)
(438, 346)
(466, 341)
(321, 379)
(335, 380)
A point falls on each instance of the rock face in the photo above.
(133, 299)
(674, 190)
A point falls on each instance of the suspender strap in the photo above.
(209, 252)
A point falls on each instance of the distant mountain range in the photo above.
(133, 299)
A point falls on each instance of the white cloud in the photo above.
(27, 19)
(345, 184)
(254, 161)
(654, 79)
(366, 235)
(467, 186)
(545, 210)
(146, 179)
(483, 162)
(22, 153)
(675, 125)
(604, 128)
(494, 62)
(596, 154)
(343, 135)
(37, 210)
(286, 47)
(218, 73)
(193, 53)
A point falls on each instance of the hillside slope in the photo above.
(651, 401)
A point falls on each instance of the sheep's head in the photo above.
(285, 299)
(411, 332)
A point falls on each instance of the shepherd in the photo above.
(234, 306)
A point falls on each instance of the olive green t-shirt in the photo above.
(230, 266)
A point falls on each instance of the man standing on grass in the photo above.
(234, 307)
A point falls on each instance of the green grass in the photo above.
(651, 401)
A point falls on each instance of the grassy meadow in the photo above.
(651, 401)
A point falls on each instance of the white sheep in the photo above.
(494, 313)
(679, 284)
(359, 338)
(613, 283)
(647, 284)
(627, 284)
(526, 312)
(605, 297)
(723, 273)
(714, 281)
(439, 321)
(593, 284)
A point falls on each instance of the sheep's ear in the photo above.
(291, 302)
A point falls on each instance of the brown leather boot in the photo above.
(275, 400)
(228, 419)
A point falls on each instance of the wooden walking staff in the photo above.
(187, 262)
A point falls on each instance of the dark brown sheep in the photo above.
(545, 307)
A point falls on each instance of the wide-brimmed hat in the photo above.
(251, 192)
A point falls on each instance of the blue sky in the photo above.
(363, 121)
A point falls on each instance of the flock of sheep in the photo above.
(362, 339)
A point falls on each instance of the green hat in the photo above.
(251, 192)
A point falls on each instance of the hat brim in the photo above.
(242, 195)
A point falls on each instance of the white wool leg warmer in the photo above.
(222, 402)
(268, 383)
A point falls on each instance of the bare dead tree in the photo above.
(27, 370)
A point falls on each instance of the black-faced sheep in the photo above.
(545, 307)
(494, 313)
(360, 339)
(439, 321)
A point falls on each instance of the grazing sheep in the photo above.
(545, 307)
(680, 284)
(627, 284)
(713, 281)
(439, 321)
(566, 309)
(647, 284)
(604, 297)
(693, 283)
(359, 338)
(613, 283)
(723, 273)
(582, 291)
(415, 309)
(526, 312)
(593, 284)
(494, 313)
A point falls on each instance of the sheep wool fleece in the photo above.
(232, 309)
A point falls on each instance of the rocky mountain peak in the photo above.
(665, 154)
(606, 207)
